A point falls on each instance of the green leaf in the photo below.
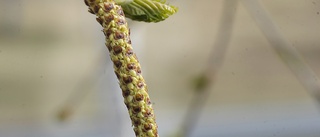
(147, 10)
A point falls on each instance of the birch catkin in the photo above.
(126, 66)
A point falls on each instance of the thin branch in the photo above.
(284, 48)
(215, 61)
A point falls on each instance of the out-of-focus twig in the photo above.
(216, 57)
(284, 49)
(76, 98)
(287, 53)
(82, 89)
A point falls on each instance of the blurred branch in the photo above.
(83, 88)
(284, 49)
(215, 61)
(88, 84)
(76, 98)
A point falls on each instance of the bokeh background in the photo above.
(53, 58)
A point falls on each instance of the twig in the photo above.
(284, 49)
(215, 61)
(76, 98)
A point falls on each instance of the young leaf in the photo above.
(147, 10)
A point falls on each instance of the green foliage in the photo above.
(147, 10)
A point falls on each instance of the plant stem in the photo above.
(216, 58)
(288, 53)
(126, 66)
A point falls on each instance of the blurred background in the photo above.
(56, 78)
